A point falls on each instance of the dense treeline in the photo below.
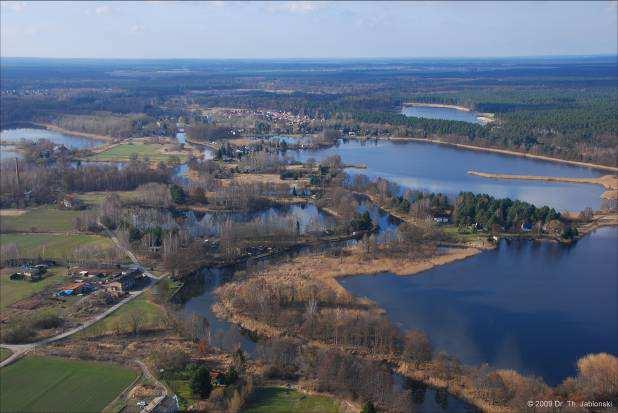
(45, 184)
(559, 107)
(208, 132)
(488, 212)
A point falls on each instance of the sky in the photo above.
(151, 29)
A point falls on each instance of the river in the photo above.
(440, 168)
(535, 307)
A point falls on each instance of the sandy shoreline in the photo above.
(437, 105)
(609, 182)
(506, 152)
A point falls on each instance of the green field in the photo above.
(280, 400)
(40, 219)
(4, 354)
(150, 316)
(50, 245)
(124, 151)
(49, 384)
(12, 291)
(96, 198)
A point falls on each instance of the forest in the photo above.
(562, 107)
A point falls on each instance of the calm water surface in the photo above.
(440, 113)
(306, 218)
(222, 334)
(7, 152)
(439, 168)
(73, 142)
(532, 306)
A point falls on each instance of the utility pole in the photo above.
(17, 175)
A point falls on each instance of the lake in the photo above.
(431, 112)
(8, 152)
(31, 134)
(535, 307)
(440, 168)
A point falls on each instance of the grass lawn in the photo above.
(50, 384)
(96, 198)
(12, 291)
(50, 245)
(280, 400)
(124, 151)
(40, 219)
(4, 354)
(150, 313)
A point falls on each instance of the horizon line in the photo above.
(323, 58)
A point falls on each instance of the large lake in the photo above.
(432, 112)
(531, 306)
(30, 134)
(440, 168)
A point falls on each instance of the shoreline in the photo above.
(93, 136)
(437, 105)
(609, 182)
(505, 152)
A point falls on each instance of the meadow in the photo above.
(40, 219)
(12, 291)
(281, 400)
(52, 246)
(123, 153)
(49, 384)
(149, 315)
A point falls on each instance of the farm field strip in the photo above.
(48, 384)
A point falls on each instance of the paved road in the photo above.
(19, 350)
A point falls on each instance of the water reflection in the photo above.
(445, 169)
(220, 333)
(532, 306)
(430, 112)
(30, 134)
(307, 218)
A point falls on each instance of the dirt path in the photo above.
(157, 400)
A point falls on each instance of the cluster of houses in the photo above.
(111, 281)
(30, 272)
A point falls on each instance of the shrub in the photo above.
(46, 320)
(200, 384)
(19, 332)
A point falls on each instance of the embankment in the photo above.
(58, 129)
(609, 182)
(506, 152)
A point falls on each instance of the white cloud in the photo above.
(301, 7)
(136, 28)
(15, 6)
(103, 10)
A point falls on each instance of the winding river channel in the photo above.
(531, 306)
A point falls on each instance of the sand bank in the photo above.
(609, 182)
(507, 152)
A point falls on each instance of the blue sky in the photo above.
(307, 29)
